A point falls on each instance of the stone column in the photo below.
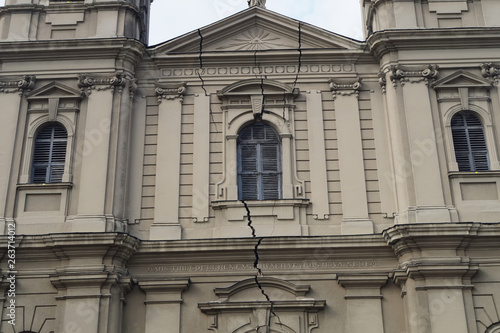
(163, 304)
(350, 149)
(167, 186)
(11, 92)
(364, 302)
(427, 204)
(317, 156)
(93, 190)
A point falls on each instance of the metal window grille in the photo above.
(49, 154)
(469, 142)
(259, 163)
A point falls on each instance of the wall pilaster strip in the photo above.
(383, 153)
(96, 151)
(201, 156)
(166, 219)
(317, 156)
(350, 148)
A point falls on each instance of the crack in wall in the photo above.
(200, 71)
(272, 313)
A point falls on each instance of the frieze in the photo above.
(313, 265)
(17, 84)
(89, 82)
(249, 70)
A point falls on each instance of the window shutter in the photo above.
(259, 163)
(49, 154)
(469, 142)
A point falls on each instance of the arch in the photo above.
(483, 115)
(266, 282)
(39, 123)
(247, 86)
(494, 328)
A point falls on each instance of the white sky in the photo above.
(170, 18)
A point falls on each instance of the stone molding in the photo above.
(88, 82)
(170, 91)
(21, 84)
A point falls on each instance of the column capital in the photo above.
(491, 71)
(345, 87)
(20, 84)
(88, 82)
(170, 91)
(412, 74)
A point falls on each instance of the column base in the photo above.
(165, 231)
(353, 226)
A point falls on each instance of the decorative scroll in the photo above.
(21, 85)
(345, 89)
(491, 71)
(89, 82)
(403, 75)
(170, 91)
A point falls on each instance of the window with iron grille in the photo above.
(469, 142)
(49, 154)
(259, 163)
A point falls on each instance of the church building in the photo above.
(259, 174)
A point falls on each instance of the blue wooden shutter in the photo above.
(49, 154)
(259, 163)
(469, 142)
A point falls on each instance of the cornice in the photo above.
(70, 49)
(382, 42)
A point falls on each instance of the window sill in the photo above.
(284, 209)
(46, 185)
(475, 174)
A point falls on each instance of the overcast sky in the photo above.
(172, 18)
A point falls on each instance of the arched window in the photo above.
(49, 154)
(469, 142)
(259, 163)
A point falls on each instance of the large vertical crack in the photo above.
(200, 72)
(259, 273)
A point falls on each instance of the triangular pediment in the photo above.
(55, 90)
(461, 79)
(256, 29)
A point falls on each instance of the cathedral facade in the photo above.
(259, 174)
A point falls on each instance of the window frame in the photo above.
(469, 143)
(50, 164)
(259, 172)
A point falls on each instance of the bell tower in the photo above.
(22, 20)
(382, 15)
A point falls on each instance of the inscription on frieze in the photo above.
(314, 265)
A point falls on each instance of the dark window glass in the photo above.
(259, 163)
